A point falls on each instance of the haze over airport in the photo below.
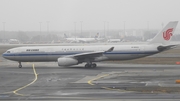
(82, 50)
(27, 15)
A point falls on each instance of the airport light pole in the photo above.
(107, 27)
(40, 30)
(81, 27)
(148, 26)
(4, 25)
(47, 27)
(124, 27)
(104, 28)
(74, 27)
(40, 26)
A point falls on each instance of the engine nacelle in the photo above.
(67, 61)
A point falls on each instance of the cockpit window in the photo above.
(8, 52)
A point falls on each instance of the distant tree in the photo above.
(36, 38)
(22, 36)
(149, 35)
(52, 37)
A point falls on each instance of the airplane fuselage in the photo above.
(52, 53)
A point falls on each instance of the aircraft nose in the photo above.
(8, 55)
(4, 55)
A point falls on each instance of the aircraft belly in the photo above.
(53, 57)
(124, 56)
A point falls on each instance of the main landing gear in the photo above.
(92, 65)
(20, 65)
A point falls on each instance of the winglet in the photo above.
(110, 49)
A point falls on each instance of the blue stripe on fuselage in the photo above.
(64, 53)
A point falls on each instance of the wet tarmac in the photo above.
(40, 81)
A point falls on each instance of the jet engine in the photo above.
(67, 61)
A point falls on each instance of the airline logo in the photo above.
(167, 34)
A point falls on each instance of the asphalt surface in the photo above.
(47, 81)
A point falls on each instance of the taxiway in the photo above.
(40, 81)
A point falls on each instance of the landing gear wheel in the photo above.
(87, 66)
(90, 65)
(93, 65)
(20, 65)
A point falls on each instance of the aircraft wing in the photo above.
(89, 55)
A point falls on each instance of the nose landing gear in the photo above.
(20, 65)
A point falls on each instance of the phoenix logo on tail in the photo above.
(167, 34)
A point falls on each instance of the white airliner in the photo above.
(74, 55)
(114, 40)
(83, 40)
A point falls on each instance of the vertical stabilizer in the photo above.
(65, 36)
(96, 36)
(165, 35)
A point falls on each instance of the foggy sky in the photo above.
(26, 15)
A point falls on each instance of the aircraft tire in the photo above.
(20, 66)
(90, 65)
(93, 65)
(87, 66)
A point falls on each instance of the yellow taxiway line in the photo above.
(90, 81)
(35, 79)
(107, 88)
